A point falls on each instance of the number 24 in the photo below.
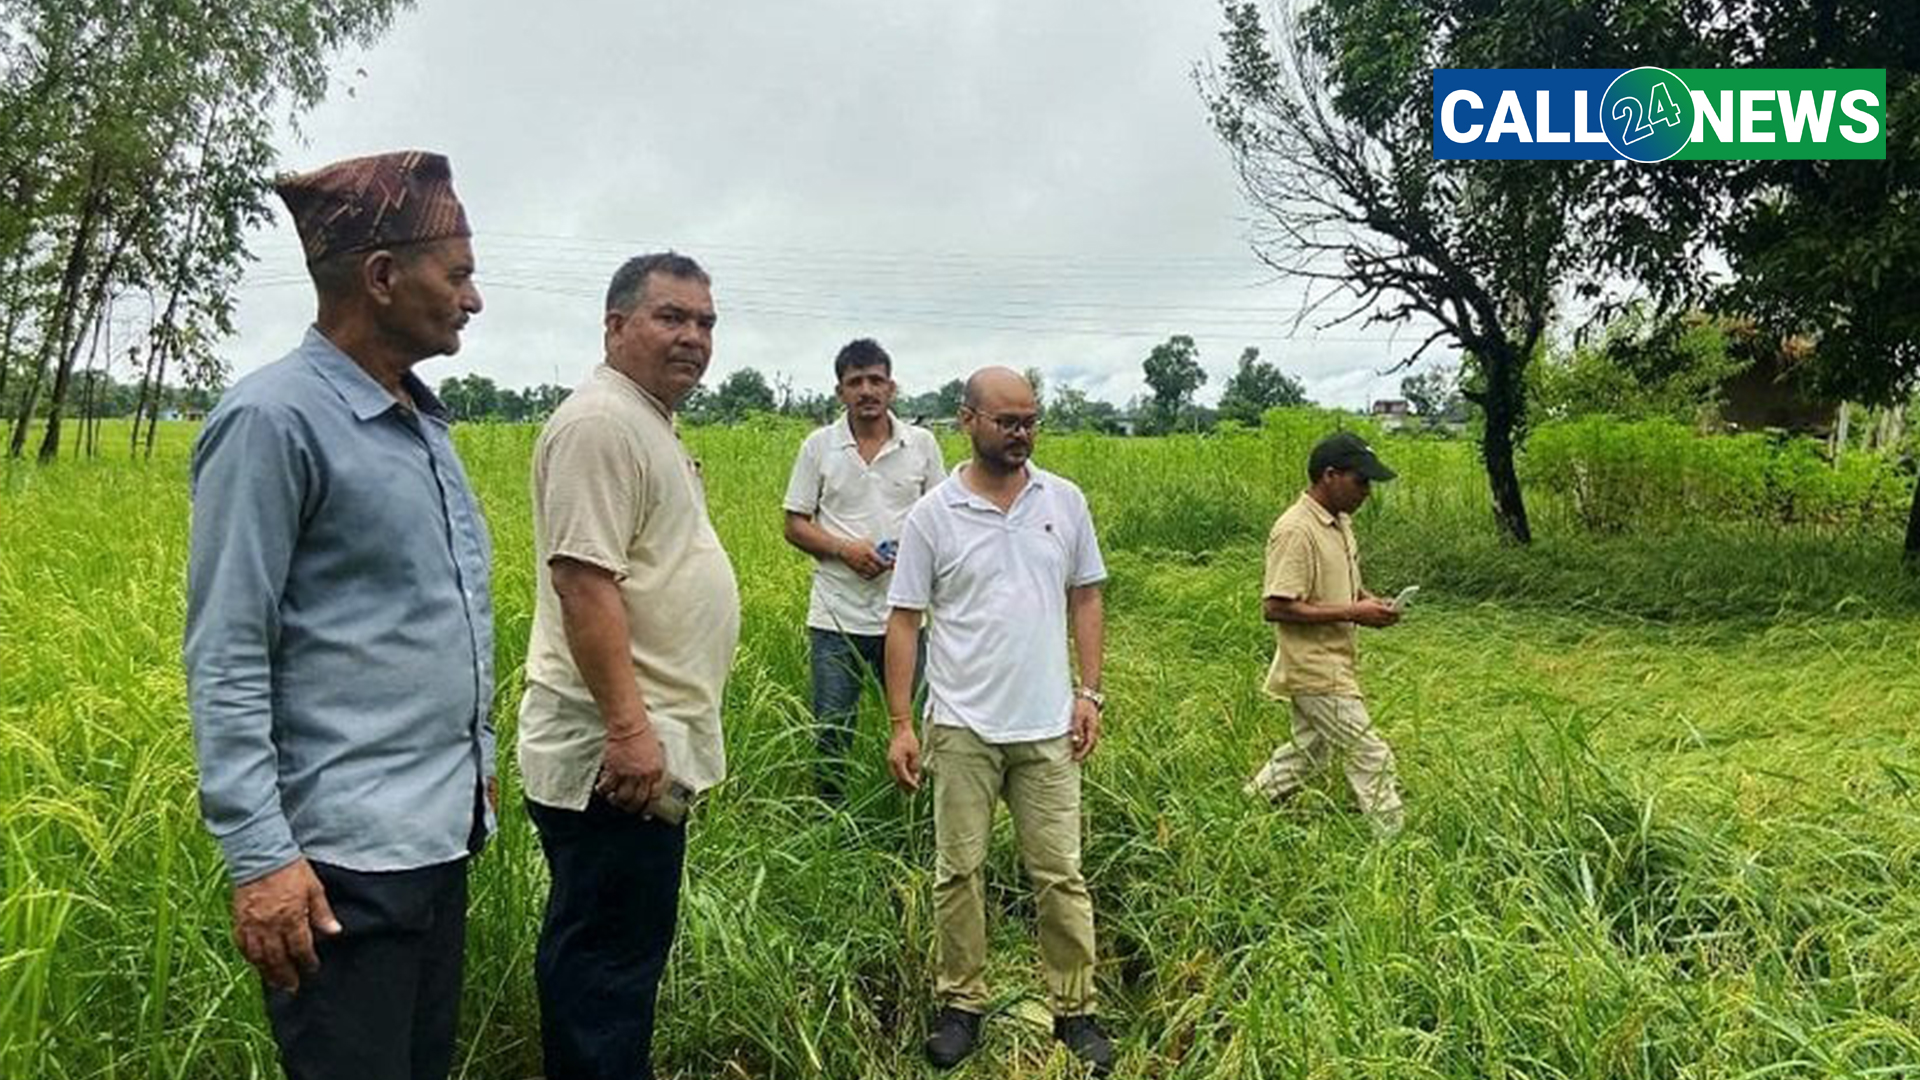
(1661, 109)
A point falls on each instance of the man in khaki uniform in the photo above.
(635, 621)
(1314, 598)
(1002, 560)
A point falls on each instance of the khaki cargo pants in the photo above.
(1325, 727)
(1041, 784)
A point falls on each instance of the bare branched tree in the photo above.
(1326, 111)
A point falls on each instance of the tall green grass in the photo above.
(1656, 475)
(1662, 789)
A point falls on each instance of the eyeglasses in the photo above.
(1010, 424)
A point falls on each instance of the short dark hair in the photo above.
(630, 281)
(861, 353)
(338, 275)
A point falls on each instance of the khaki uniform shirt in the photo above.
(613, 487)
(1311, 556)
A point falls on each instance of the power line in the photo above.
(1008, 292)
(870, 255)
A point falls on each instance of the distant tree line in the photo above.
(1172, 372)
(476, 397)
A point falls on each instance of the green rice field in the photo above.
(1663, 789)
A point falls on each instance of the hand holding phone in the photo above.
(671, 800)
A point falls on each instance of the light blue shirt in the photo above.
(339, 643)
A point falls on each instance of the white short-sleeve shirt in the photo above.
(851, 497)
(994, 587)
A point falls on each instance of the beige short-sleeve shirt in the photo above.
(1311, 556)
(614, 487)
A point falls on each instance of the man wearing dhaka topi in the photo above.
(339, 639)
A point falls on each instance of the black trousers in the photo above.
(385, 1001)
(611, 913)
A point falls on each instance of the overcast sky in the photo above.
(1033, 184)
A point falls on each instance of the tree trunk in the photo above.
(90, 387)
(1504, 404)
(1509, 507)
(1913, 530)
(144, 402)
(96, 301)
(29, 400)
(14, 273)
(1892, 428)
(59, 326)
(159, 359)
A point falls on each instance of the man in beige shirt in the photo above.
(635, 621)
(1314, 598)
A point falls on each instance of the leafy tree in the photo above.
(1327, 114)
(1437, 395)
(543, 399)
(1830, 250)
(815, 405)
(1256, 387)
(944, 402)
(951, 395)
(698, 406)
(1073, 410)
(742, 392)
(1671, 369)
(472, 397)
(1173, 373)
(133, 139)
(1038, 380)
(1432, 393)
(510, 406)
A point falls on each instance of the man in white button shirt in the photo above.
(852, 486)
(1002, 558)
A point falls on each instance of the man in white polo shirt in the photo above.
(852, 485)
(1002, 558)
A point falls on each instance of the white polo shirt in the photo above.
(994, 587)
(849, 496)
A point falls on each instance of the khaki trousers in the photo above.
(1325, 726)
(1041, 784)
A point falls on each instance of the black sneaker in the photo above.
(1083, 1036)
(951, 1036)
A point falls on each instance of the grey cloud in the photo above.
(1031, 184)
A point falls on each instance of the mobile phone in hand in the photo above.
(671, 801)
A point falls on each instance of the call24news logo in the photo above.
(1653, 114)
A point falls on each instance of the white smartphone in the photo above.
(1401, 602)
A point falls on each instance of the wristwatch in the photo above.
(1087, 693)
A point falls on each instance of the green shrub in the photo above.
(1657, 474)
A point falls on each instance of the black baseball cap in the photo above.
(1345, 450)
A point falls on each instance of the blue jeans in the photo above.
(842, 664)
